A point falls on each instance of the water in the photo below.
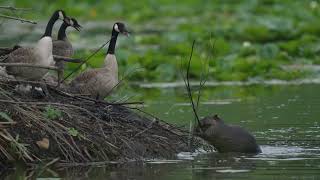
(284, 119)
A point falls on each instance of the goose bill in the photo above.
(78, 27)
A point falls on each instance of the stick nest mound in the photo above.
(77, 129)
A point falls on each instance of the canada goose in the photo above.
(99, 82)
(62, 46)
(41, 54)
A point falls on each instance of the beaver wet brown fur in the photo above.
(226, 138)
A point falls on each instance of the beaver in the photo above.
(226, 138)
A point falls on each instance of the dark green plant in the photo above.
(52, 113)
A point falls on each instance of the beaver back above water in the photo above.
(226, 138)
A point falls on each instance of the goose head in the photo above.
(120, 27)
(60, 14)
(74, 23)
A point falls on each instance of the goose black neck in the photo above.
(62, 31)
(113, 42)
(50, 24)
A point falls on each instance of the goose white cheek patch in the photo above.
(116, 27)
(61, 15)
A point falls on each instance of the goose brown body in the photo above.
(62, 46)
(41, 54)
(30, 56)
(98, 82)
(101, 81)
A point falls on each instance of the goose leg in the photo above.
(60, 67)
(98, 97)
(44, 88)
(60, 73)
(35, 93)
(39, 92)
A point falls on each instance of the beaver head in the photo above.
(207, 125)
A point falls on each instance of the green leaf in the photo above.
(73, 132)
(52, 113)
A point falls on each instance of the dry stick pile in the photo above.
(77, 129)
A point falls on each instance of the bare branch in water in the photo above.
(18, 19)
(204, 76)
(187, 84)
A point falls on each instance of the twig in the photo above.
(29, 65)
(203, 79)
(146, 129)
(49, 103)
(66, 59)
(87, 59)
(51, 162)
(187, 83)
(6, 123)
(14, 8)
(18, 19)
(123, 78)
(74, 164)
(156, 119)
(91, 99)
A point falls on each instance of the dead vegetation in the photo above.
(77, 129)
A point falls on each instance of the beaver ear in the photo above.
(216, 117)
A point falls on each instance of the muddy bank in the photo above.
(78, 129)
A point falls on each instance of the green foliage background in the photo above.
(253, 39)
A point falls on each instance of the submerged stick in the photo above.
(17, 19)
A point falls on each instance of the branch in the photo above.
(91, 99)
(187, 83)
(18, 19)
(123, 78)
(14, 8)
(66, 59)
(29, 65)
(204, 76)
(87, 59)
